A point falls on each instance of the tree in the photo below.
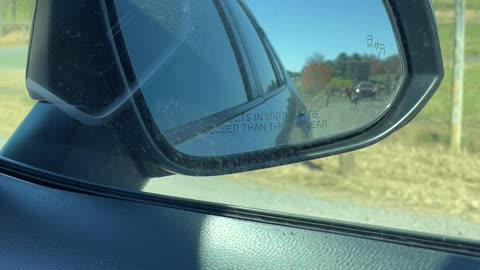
(316, 76)
(393, 65)
(339, 84)
(359, 67)
(341, 66)
(377, 68)
(14, 10)
(3, 10)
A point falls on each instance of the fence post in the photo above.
(458, 69)
(2, 4)
(14, 11)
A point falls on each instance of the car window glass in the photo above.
(411, 181)
(259, 55)
(276, 64)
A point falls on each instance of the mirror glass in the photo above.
(222, 78)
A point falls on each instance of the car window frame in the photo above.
(264, 43)
(239, 52)
(276, 62)
(274, 59)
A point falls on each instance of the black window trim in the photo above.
(238, 50)
(274, 59)
(272, 55)
(276, 63)
(249, 56)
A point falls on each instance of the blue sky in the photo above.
(298, 28)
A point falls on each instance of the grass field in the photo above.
(413, 169)
(450, 4)
(23, 12)
(15, 39)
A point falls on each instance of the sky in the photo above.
(299, 28)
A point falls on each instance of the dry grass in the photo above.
(14, 38)
(425, 179)
(448, 16)
(14, 101)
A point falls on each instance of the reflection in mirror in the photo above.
(253, 75)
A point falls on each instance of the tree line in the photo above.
(347, 70)
(16, 11)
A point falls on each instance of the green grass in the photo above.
(446, 34)
(432, 124)
(24, 12)
(450, 4)
(13, 58)
(438, 109)
(15, 39)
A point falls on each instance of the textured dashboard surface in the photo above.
(44, 228)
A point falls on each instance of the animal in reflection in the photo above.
(361, 91)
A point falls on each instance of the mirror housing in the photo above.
(72, 60)
(122, 105)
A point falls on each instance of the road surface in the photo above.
(342, 116)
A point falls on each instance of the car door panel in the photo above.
(46, 228)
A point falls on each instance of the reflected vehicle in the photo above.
(366, 90)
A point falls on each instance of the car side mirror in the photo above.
(219, 87)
